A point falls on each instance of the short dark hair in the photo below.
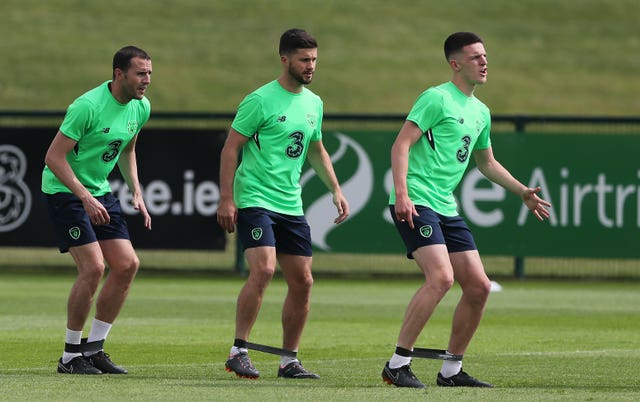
(122, 58)
(295, 39)
(456, 41)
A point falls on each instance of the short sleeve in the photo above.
(249, 116)
(427, 110)
(77, 120)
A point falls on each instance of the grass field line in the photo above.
(337, 361)
(595, 352)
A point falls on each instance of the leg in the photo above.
(434, 263)
(90, 265)
(262, 265)
(297, 272)
(123, 265)
(469, 272)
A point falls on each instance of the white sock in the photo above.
(450, 367)
(286, 360)
(73, 338)
(398, 361)
(235, 350)
(99, 331)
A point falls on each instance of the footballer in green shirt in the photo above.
(446, 126)
(277, 127)
(99, 131)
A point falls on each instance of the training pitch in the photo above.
(538, 341)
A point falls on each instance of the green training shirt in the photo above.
(454, 125)
(102, 128)
(281, 124)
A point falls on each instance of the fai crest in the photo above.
(426, 231)
(312, 119)
(74, 232)
(132, 127)
(256, 233)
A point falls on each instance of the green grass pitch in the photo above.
(538, 341)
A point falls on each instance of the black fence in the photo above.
(519, 122)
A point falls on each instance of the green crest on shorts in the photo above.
(74, 232)
(256, 233)
(426, 231)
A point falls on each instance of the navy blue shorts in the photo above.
(71, 224)
(432, 228)
(289, 234)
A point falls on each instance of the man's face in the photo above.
(302, 64)
(136, 79)
(472, 61)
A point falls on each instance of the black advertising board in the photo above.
(178, 170)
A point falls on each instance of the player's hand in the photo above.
(536, 204)
(139, 205)
(405, 210)
(227, 214)
(342, 206)
(97, 213)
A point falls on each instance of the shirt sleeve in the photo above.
(77, 120)
(426, 110)
(249, 116)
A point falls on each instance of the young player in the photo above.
(428, 158)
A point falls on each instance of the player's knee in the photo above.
(302, 284)
(126, 269)
(478, 293)
(441, 283)
(261, 275)
(91, 272)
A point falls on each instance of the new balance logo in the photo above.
(106, 130)
(282, 119)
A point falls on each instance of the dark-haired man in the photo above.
(277, 127)
(446, 125)
(99, 131)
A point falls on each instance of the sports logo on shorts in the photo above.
(426, 231)
(74, 232)
(256, 233)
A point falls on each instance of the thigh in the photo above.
(261, 260)
(295, 268)
(71, 224)
(88, 257)
(119, 254)
(255, 228)
(117, 227)
(434, 262)
(426, 230)
(468, 268)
